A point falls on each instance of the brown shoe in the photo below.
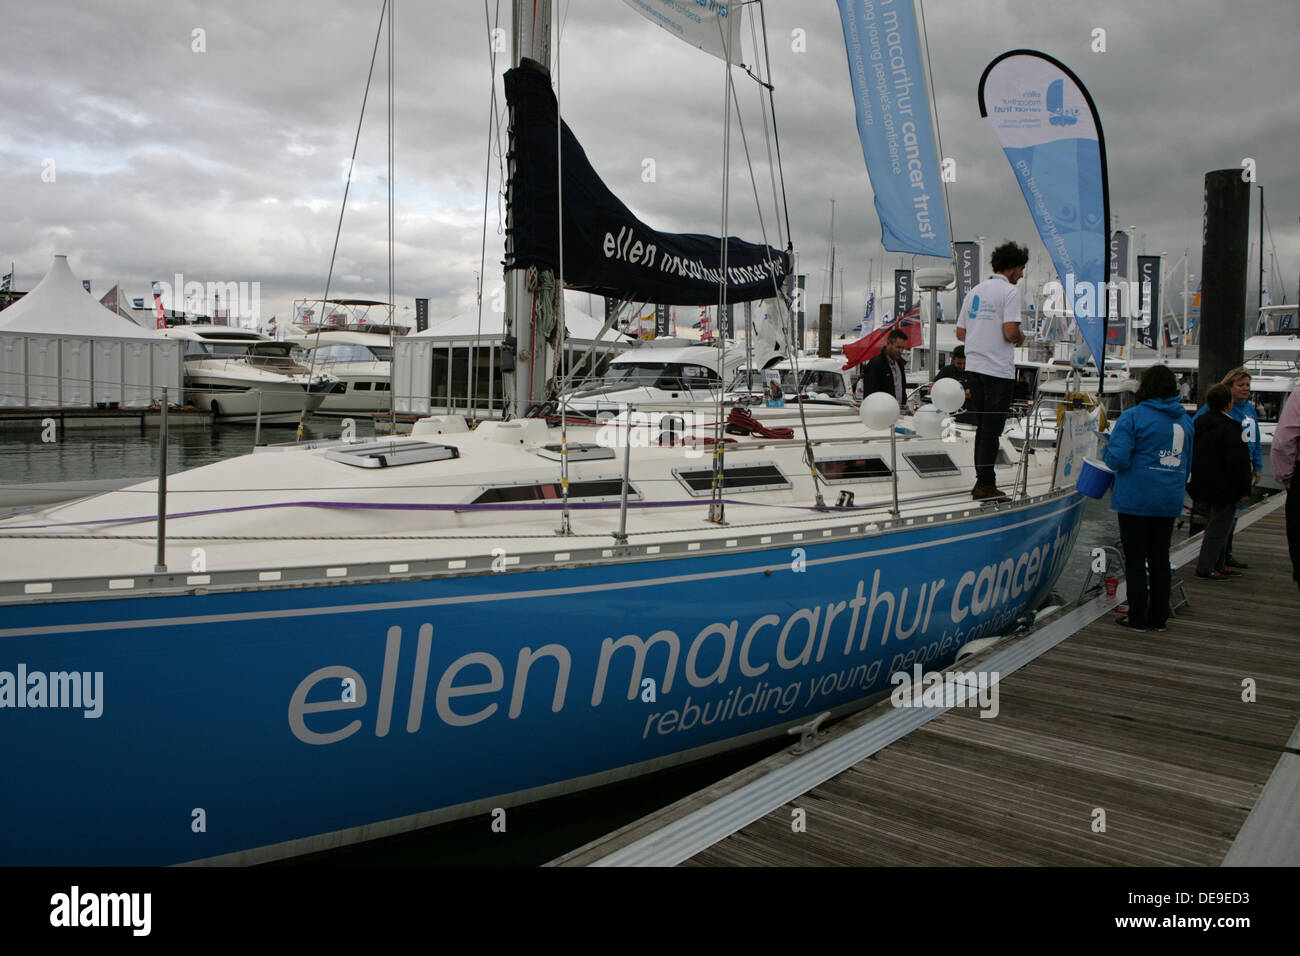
(988, 493)
(1234, 563)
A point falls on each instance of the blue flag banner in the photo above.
(894, 126)
(1048, 127)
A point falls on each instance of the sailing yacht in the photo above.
(384, 635)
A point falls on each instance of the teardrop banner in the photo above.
(1051, 134)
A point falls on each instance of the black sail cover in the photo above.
(607, 250)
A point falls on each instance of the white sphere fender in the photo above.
(948, 394)
(879, 410)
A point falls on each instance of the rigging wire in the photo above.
(934, 107)
(776, 136)
(717, 508)
(794, 349)
(487, 179)
(767, 139)
(329, 277)
(392, 169)
(565, 527)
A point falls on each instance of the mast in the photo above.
(524, 384)
(1261, 249)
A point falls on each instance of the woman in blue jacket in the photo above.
(1150, 451)
(1243, 410)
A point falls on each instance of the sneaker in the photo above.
(1229, 573)
(1157, 627)
(1234, 563)
(1128, 622)
(1213, 576)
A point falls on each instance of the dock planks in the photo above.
(1149, 728)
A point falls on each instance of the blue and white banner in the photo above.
(711, 25)
(869, 314)
(1048, 127)
(893, 110)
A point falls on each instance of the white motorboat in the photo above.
(361, 360)
(1040, 418)
(660, 374)
(243, 376)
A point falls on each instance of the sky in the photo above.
(145, 138)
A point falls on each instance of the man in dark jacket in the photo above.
(957, 370)
(1221, 477)
(884, 373)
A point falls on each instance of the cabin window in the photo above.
(931, 464)
(598, 489)
(361, 387)
(382, 386)
(389, 454)
(865, 468)
(761, 477)
(828, 383)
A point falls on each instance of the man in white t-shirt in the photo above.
(989, 326)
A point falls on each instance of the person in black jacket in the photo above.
(957, 370)
(885, 373)
(1221, 478)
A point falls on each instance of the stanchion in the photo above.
(160, 560)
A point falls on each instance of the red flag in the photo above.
(869, 346)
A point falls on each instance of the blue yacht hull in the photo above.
(234, 727)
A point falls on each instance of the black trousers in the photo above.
(1293, 526)
(1146, 546)
(990, 399)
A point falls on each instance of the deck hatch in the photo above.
(390, 454)
(853, 469)
(598, 489)
(931, 464)
(756, 477)
(578, 451)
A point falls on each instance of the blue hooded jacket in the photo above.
(1244, 412)
(1150, 451)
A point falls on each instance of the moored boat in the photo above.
(243, 376)
(410, 641)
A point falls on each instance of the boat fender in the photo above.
(970, 648)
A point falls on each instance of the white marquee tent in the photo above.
(61, 348)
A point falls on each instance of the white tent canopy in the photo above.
(59, 305)
(61, 348)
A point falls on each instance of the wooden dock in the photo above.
(1113, 747)
(89, 419)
